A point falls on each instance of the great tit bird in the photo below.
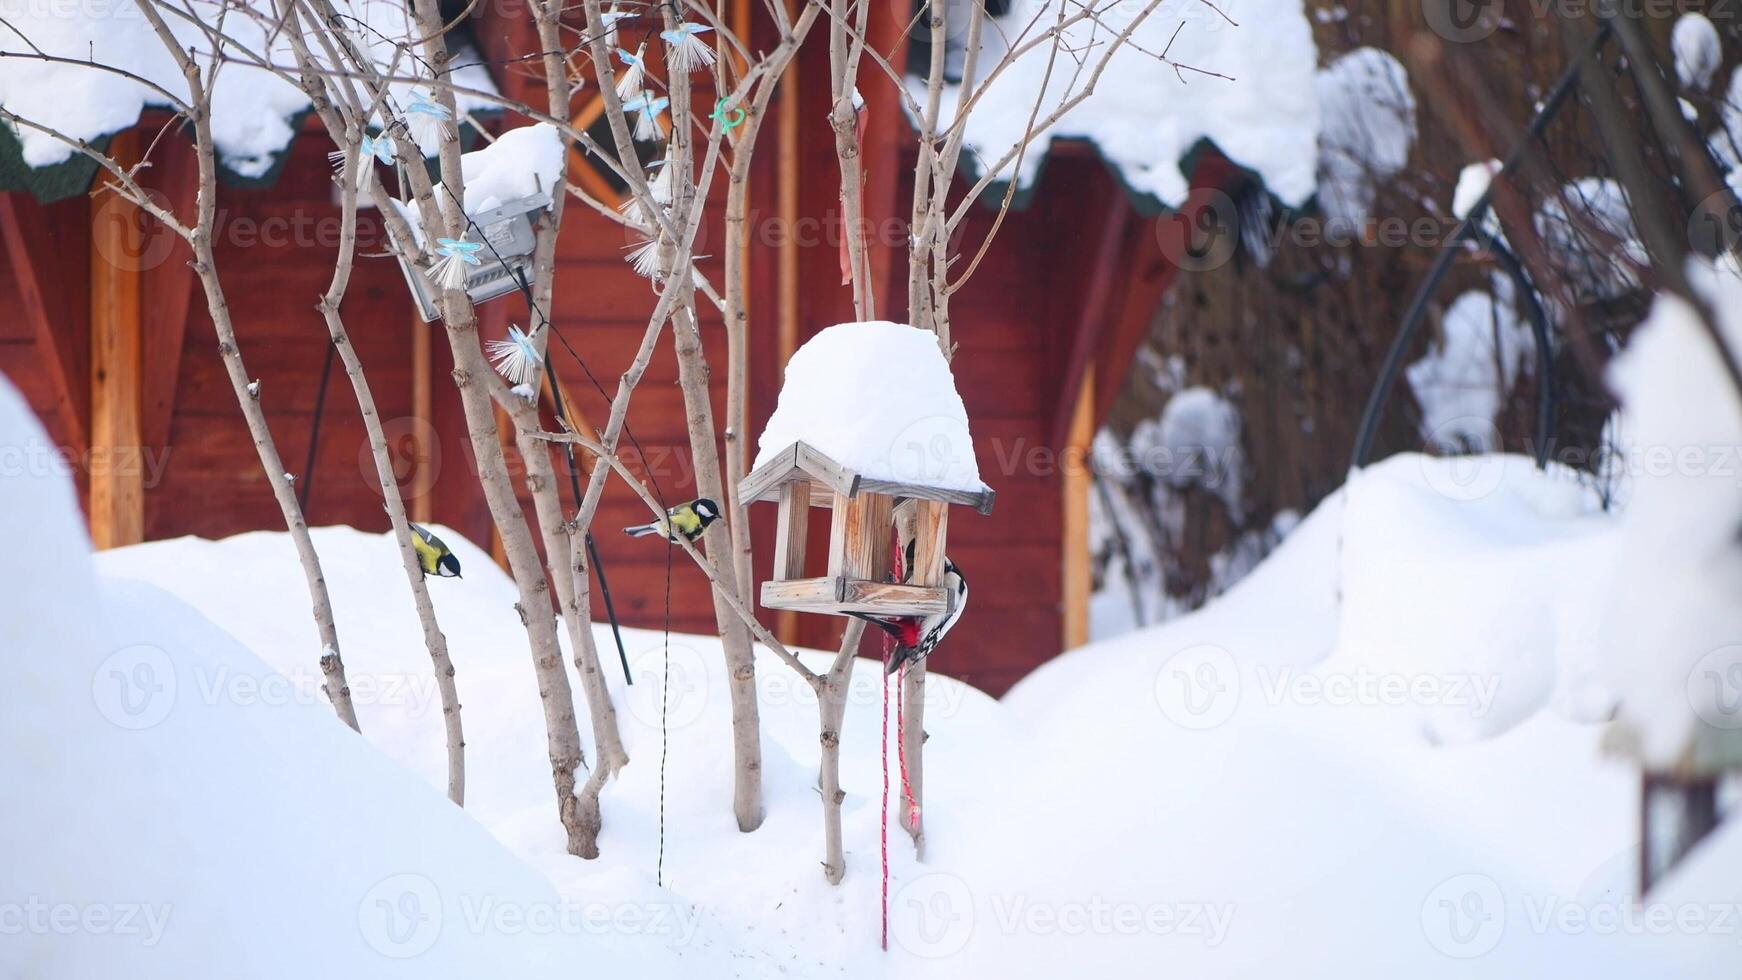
(689, 520)
(916, 638)
(432, 555)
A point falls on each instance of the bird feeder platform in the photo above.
(861, 547)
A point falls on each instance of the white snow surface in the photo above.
(1373, 755)
(521, 162)
(1143, 115)
(1464, 378)
(879, 399)
(252, 108)
(1697, 50)
(1674, 626)
(1367, 119)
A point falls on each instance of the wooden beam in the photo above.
(422, 506)
(42, 287)
(836, 596)
(931, 521)
(792, 528)
(838, 526)
(117, 328)
(168, 292)
(1077, 576)
(865, 552)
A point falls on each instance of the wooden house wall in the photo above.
(1012, 325)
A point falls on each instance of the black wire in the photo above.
(314, 435)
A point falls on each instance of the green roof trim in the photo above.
(1143, 202)
(55, 182)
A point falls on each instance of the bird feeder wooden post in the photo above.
(861, 555)
(1678, 804)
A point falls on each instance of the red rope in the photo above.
(887, 650)
(901, 747)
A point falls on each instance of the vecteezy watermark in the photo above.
(1464, 916)
(671, 686)
(414, 451)
(135, 687)
(1198, 688)
(1202, 686)
(405, 915)
(936, 915)
(1714, 687)
(1472, 692)
(1468, 915)
(1463, 21)
(1202, 233)
(401, 916)
(37, 458)
(35, 916)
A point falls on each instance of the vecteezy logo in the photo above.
(1464, 916)
(932, 916)
(1462, 21)
(128, 237)
(1198, 687)
(135, 687)
(1471, 466)
(1201, 233)
(1715, 687)
(670, 681)
(414, 451)
(1716, 224)
(931, 450)
(401, 916)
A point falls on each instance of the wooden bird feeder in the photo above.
(861, 547)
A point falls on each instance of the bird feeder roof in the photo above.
(801, 461)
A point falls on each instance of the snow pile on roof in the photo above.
(1143, 115)
(1367, 114)
(1463, 379)
(522, 162)
(1698, 52)
(1674, 626)
(252, 108)
(176, 809)
(879, 399)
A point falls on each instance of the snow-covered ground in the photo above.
(1377, 756)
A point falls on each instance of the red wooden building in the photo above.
(112, 346)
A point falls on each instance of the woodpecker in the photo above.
(916, 638)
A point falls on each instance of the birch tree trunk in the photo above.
(705, 455)
(337, 687)
(433, 639)
(831, 711)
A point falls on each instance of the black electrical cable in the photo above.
(1443, 262)
(307, 482)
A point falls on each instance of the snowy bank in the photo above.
(175, 811)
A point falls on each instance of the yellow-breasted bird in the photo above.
(689, 520)
(432, 555)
